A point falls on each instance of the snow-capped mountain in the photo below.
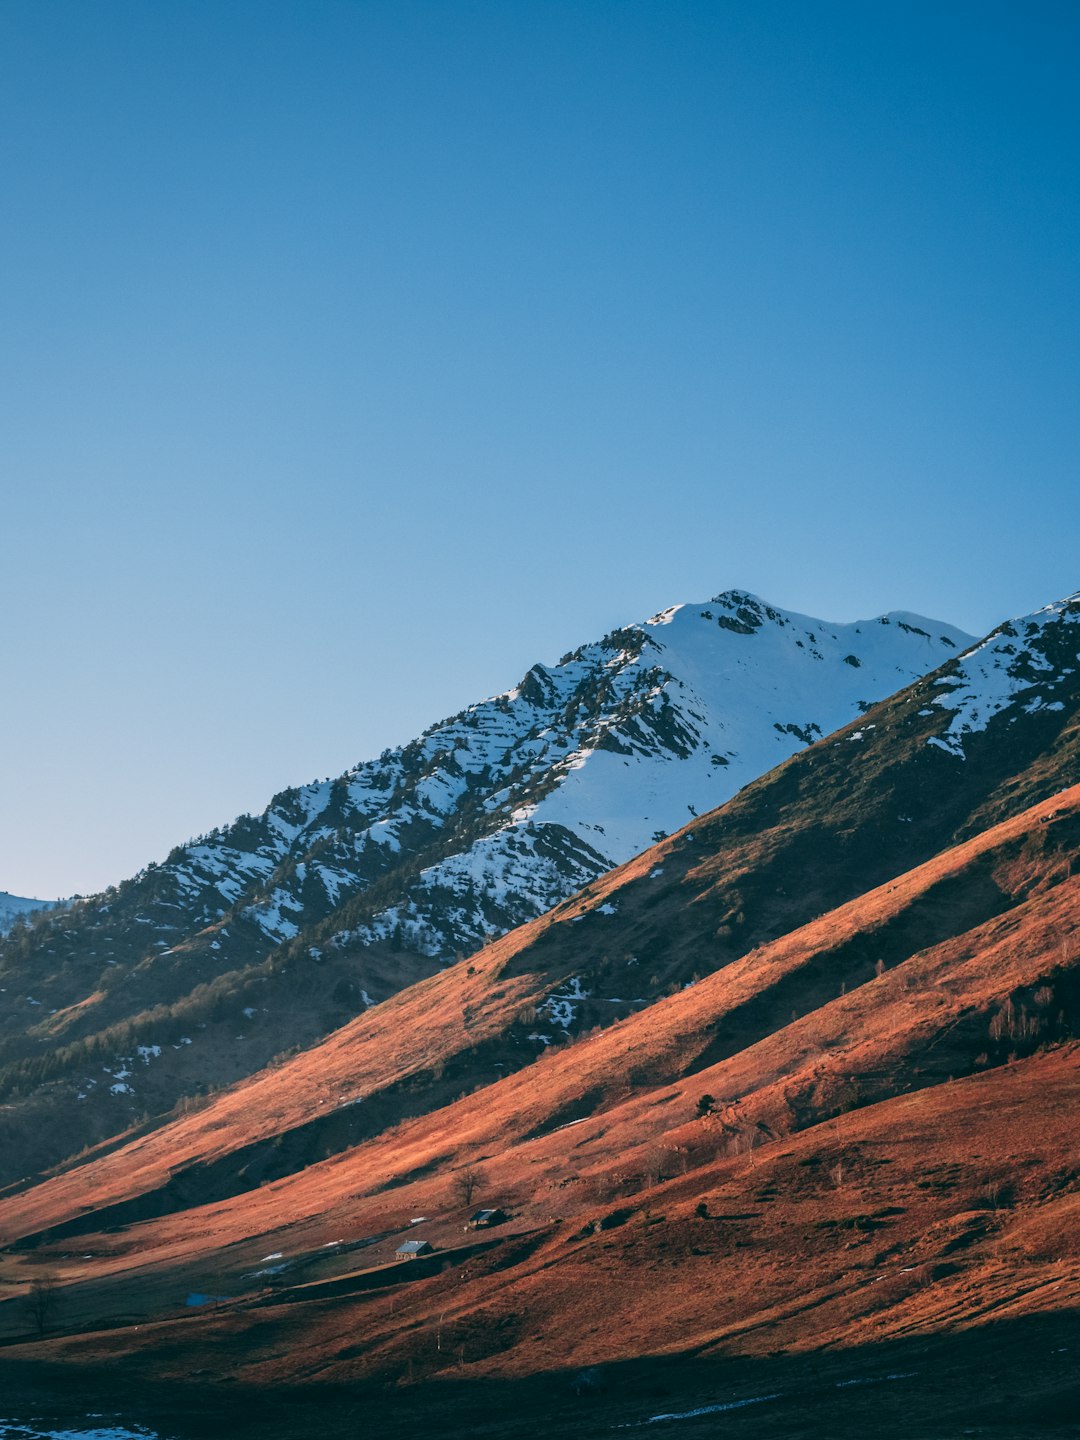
(867, 804)
(12, 906)
(493, 816)
(265, 935)
(587, 763)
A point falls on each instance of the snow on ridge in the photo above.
(517, 801)
(270, 916)
(1019, 663)
(490, 739)
(745, 685)
(684, 710)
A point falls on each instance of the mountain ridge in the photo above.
(344, 891)
(868, 803)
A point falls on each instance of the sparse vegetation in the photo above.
(466, 1182)
(43, 1302)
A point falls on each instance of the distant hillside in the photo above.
(14, 906)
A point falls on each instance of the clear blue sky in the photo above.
(353, 356)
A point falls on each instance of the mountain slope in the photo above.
(795, 1210)
(838, 1162)
(948, 930)
(273, 931)
(850, 814)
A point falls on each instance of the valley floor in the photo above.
(1009, 1380)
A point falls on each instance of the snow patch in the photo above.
(1003, 669)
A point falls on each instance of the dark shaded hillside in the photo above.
(1008, 1379)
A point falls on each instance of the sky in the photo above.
(355, 356)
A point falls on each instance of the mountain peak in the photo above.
(734, 598)
(1068, 607)
(746, 611)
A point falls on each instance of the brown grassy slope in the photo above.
(933, 1211)
(637, 1083)
(923, 1249)
(845, 815)
(832, 818)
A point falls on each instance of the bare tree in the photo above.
(466, 1182)
(658, 1162)
(42, 1301)
(751, 1141)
